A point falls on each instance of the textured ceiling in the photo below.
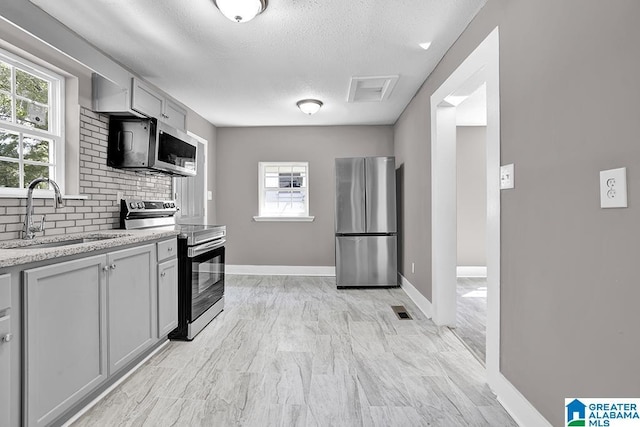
(252, 74)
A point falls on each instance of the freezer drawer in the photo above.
(366, 261)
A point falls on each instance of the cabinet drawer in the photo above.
(5, 292)
(167, 249)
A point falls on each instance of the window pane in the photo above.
(299, 169)
(270, 202)
(9, 175)
(285, 180)
(299, 181)
(271, 169)
(32, 172)
(284, 169)
(271, 180)
(8, 144)
(36, 149)
(32, 87)
(284, 202)
(5, 107)
(32, 115)
(5, 77)
(297, 202)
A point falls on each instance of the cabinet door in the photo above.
(131, 302)
(167, 297)
(174, 115)
(5, 345)
(65, 336)
(145, 100)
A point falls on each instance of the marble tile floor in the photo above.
(296, 351)
(471, 314)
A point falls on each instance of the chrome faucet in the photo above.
(29, 230)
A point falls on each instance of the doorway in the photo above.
(190, 193)
(471, 188)
(480, 67)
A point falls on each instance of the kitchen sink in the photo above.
(37, 245)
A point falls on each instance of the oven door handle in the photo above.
(200, 249)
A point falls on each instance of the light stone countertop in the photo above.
(18, 251)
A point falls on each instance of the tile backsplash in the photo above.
(99, 182)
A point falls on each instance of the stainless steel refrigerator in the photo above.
(365, 222)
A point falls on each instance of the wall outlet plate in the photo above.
(506, 177)
(613, 188)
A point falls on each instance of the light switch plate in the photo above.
(613, 188)
(506, 177)
(209, 195)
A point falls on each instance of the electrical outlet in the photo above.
(506, 177)
(613, 188)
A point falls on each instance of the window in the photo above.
(283, 191)
(31, 131)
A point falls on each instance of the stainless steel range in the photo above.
(200, 262)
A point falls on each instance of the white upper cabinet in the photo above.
(141, 99)
(146, 100)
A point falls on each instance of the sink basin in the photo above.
(38, 245)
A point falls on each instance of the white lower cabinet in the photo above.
(5, 349)
(167, 297)
(84, 320)
(131, 296)
(65, 335)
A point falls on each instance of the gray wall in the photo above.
(286, 243)
(568, 83)
(471, 168)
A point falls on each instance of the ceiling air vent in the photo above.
(371, 89)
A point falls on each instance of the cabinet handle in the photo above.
(113, 266)
(7, 338)
(105, 268)
(163, 274)
(170, 249)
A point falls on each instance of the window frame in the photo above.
(56, 120)
(264, 215)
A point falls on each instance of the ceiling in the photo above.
(252, 74)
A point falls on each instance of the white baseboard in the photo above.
(281, 270)
(471, 271)
(420, 300)
(520, 409)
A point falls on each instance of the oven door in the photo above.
(207, 278)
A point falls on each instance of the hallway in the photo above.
(295, 351)
(471, 321)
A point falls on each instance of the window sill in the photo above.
(283, 218)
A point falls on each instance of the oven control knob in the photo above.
(140, 205)
(133, 205)
(173, 205)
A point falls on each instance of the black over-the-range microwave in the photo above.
(146, 145)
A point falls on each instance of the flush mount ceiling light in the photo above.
(425, 45)
(241, 10)
(309, 106)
